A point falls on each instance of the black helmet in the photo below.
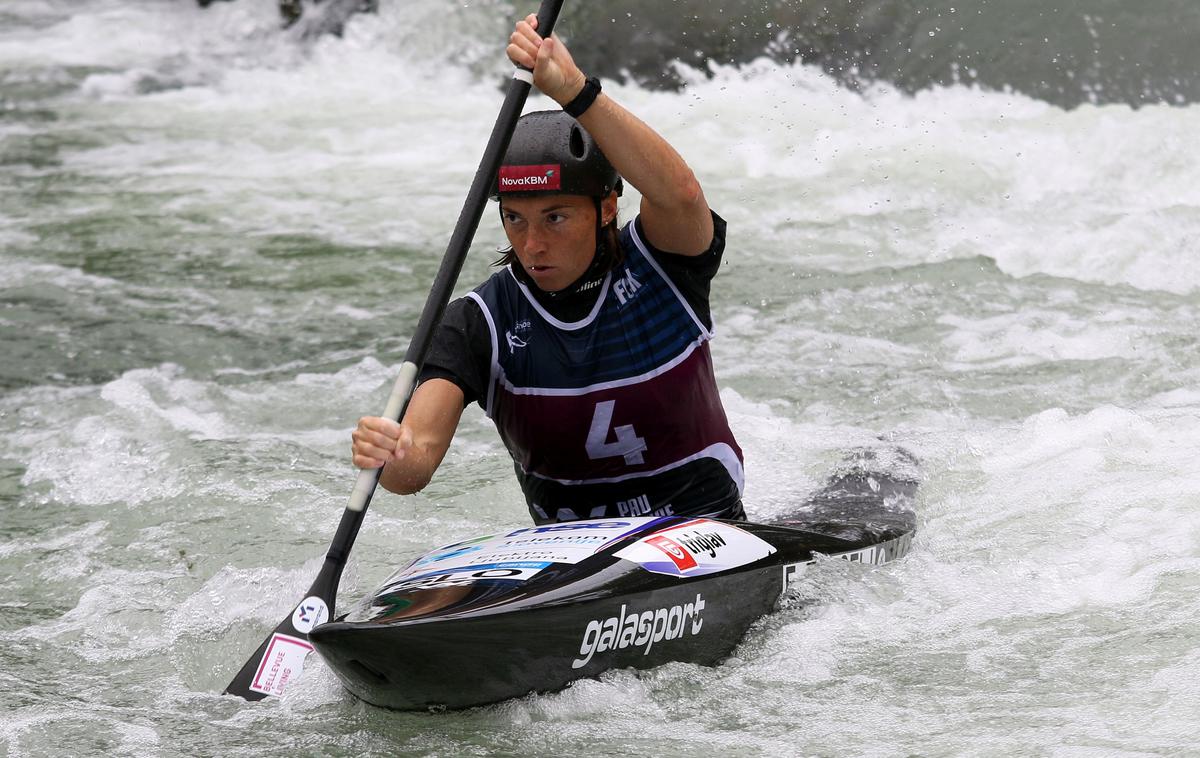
(550, 152)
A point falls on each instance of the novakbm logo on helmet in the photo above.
(546, 178)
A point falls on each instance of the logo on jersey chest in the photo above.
(626, 287)
(518, 336)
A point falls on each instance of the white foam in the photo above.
(1039, 538)
(1080, 512)
(117, 617)
(233, 596)
(162, 395)
(786, 459)
(137, 438)
(1180, 697)
(354, 314)
(1033, 335)
(957, 171)
(318, 142)
(120, 35)
(44, 729)
(20, 273)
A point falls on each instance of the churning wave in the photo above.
(1066, 53)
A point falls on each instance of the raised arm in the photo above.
(675, 215)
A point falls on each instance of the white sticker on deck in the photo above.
(283, 661)
(696, 548)
(530, 549)
(458, 577)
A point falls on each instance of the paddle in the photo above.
(280, 658)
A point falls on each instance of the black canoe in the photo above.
(536, 608)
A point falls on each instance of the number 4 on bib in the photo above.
(628, 444)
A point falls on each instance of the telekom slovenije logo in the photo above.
(547, 178)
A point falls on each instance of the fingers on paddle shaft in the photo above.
(527, 38)
(524, 42)
(378, 441)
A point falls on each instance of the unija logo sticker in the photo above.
(525, 178)
(644, 628)
(695, 548)
(702, 542)
(682, 558)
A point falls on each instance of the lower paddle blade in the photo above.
(280, 658)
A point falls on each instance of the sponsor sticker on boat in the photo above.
(882, 553)
(283, 661)
(518, 555)
(310, 612)
(447, 577)
(696, 548)
(682, 559)
(875, 555)
(792, 573)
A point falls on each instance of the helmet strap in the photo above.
(599, 222)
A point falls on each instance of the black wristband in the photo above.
(585, 98)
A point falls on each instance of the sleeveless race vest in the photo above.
(614, 415)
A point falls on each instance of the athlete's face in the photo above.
(554, 236)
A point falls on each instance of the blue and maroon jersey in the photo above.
(616, 414)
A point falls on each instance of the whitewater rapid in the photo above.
(214, 243)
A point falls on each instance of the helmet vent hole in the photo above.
(577, 147)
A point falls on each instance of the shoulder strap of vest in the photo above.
(495, 362)
(643, 250)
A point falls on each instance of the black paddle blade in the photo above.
(280, 658)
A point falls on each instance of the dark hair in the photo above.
(609, 244)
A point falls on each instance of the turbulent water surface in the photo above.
(214, 242)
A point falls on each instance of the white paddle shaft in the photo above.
(402, 390)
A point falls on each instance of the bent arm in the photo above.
(675, 214)
(431, 418)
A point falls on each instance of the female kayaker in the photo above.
(589, 347)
